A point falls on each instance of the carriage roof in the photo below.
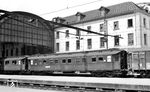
(76, 54)
(15, 58)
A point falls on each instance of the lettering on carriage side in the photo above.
(47, 66)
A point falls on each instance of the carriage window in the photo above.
(36, 64)
(51, 61)
(23, 61)
(14, 62)
(40, 62)
(64, 61)
(100, 59)
(135, 57)
(77, 60)
(84, 60)
(6, 62)
(108, 58)
(56, 61)
(93, 59)
(69, 60)
(19, 62)
(116, 57)
(44, 61)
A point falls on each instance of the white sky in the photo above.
(44, 7)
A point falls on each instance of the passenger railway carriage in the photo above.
(110, 62)
(14, 64)
(139, 62)
(98, 63)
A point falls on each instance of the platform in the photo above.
(12, 89)
(109, 83)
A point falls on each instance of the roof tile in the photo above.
(115, 10)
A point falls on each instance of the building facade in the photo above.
(128, 23)
(23, 33)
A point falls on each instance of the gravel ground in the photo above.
(14, 89)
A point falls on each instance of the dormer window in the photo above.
(79, 16)
(58, 20)
(103, 11)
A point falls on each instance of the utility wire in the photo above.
(70, 7)
(84, 30)
(64, 25)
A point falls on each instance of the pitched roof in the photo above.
(115, 10)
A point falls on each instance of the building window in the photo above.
(77, 32)
(22, 51)
(67, 33)
(101, 27)
(88, 28)
(89, 43)
(78, 44)
(79, 16)
(130, 22)
(67, 46)
(12, 52)
(102, 42)
(145, 39)
(17, 52)
(7, 52)
(144, 22)
(130, 39)
(57, 35)
(116, 25)
(116, 40)
(57, 47)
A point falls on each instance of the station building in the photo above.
(127, 22)
(23, 33)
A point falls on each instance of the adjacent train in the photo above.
(110, 62)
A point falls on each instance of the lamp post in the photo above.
(103, 12)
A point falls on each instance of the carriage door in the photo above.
(129, 61)
(85, 63)
(24, 64)
(142, 64)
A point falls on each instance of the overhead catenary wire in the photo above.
(70, 7)
(63, 25)
(84, 30)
